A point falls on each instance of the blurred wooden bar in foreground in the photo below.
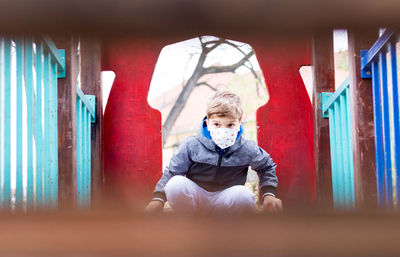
(129, 234)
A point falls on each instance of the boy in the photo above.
(208, 172)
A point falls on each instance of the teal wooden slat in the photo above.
(84, 175)
(344, 150)
(54, 137)
(1, 121)
(7, 124)
(332, 137)
(86, 101)
(39, 129)
(58, 58)
(332, 98)
(339, 171)
(350, 147)
(29, 121)
(84, 123)
(20, 76)
(88, 174)
(47, 129)
(79, 150)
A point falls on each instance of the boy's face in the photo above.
(223, 122)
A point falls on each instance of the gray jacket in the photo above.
(198, 160)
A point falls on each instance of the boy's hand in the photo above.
(272, 204)
(154, 207)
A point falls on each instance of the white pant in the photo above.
(185, 196)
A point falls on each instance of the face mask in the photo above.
(223, 137)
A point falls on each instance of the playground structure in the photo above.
(126, 36)
(125, 164)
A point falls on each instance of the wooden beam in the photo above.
(90, 50)
(152, 17)
(362, 121)
(323, 81)
(67, 124)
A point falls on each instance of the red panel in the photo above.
(285, 122)
(132, 129)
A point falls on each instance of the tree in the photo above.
(207, 46)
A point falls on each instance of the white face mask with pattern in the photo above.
(224, 137)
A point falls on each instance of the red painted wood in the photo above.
(285, 122)
(132, 129)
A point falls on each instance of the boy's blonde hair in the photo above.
(225, 104)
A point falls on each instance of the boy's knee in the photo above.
(241, 197)
(177, 185)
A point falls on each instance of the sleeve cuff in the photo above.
(268, 189)
(160, 196)
(270, 194)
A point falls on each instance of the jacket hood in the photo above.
(209, 143)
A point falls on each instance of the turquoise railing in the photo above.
(85, 111)
(29, 68)
(336, 106)
(380, 63)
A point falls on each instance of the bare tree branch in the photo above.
(228, 68)
(208, 85)
(199, 72)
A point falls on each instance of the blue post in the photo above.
(378, 135)
(396, 117)
(386, 129)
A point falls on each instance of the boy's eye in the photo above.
(231, 125)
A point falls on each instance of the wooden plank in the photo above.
(91, 84)
(362, 120)
(125, 233)
(173, 17)
(324, 81)
(67, 185)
